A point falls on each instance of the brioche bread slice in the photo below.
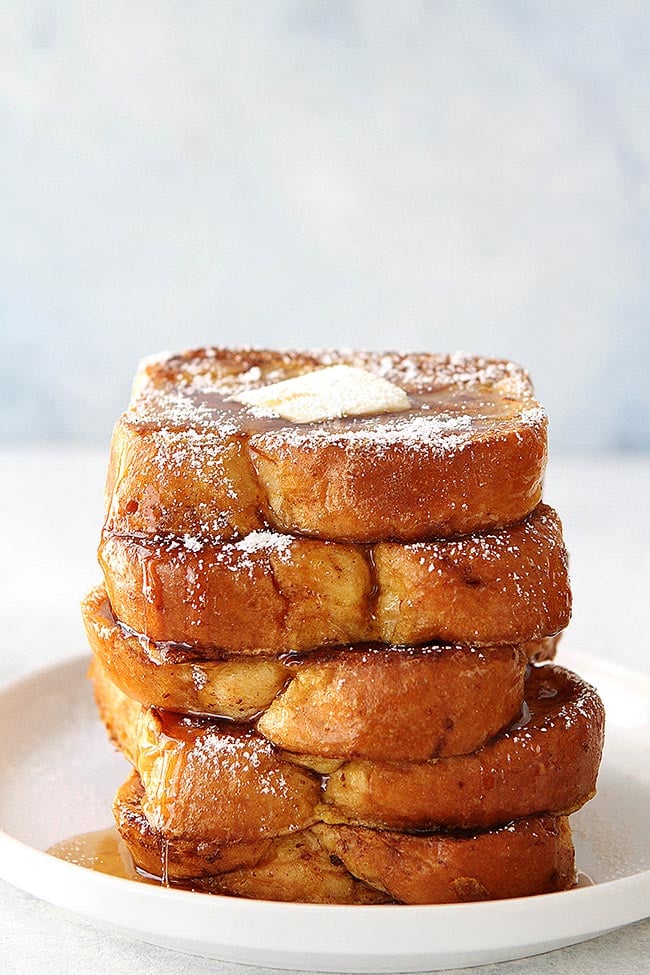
(546, 762)
(348, 865)
(378, 703)
(468, 454)
(215, 782)
(269, 593)
(242, 687)
(293, 867)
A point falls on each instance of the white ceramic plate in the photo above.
(58, 775)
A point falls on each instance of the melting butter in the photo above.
(326, 394)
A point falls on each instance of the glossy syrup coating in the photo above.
(208, 781)
(374, 702)
(186, 459)
(271, 593)
(351, 865)
(547, 762)
(294, 867)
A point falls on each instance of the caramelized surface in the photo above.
(219, 782)
(271, 593)
(547, 762)
(355, 702)
(397, 704)
(530, 856)
(185, 459)
(207, 781)
(346, 865)
(237, 687)
(316, 635)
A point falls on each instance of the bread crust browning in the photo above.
(397, 704)
(289, 868)
(348, 492)
(351, 702)
(470, 455)
(119, 712)
(218, 783)
(297, 868)
(237, 687)
(348, 865)
(185, 482)
(547, 764)
(269, 593)
(531, 856)
(185, 859)
(211, 782)
(316, 641)
(496, 587)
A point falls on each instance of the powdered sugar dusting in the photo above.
(232, 756)
(437, 432)
(184, 391)
(264, 541)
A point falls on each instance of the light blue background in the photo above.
(388, 174)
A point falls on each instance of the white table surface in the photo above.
(50, 514)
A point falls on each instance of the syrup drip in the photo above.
(164, 864)
(105, 851)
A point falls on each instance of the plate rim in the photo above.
(595, 909)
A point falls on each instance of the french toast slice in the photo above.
(546, 762)
(220, 782)
(400, 704)
(237, 686)
(530, 856)
(269, 593)
(293, 867)
(187, 459)
(352, 865)
(395, 703)
(210, 781)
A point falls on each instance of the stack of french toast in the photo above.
(332, 596)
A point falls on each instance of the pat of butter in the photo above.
(325, 394)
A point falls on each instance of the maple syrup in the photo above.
(103, 850)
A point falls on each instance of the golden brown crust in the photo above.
(269, 593)
(470, 455)
(183, 858)
(119, 712)
(499, 587)
(395, 703)
(549, 764)
(213, 781)
(219, 783)
(297, 868)
(207, 781)
(289, 868)
(152, 484)
(348, 865)
(237, 687)
(361, 595)
(531, 856)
